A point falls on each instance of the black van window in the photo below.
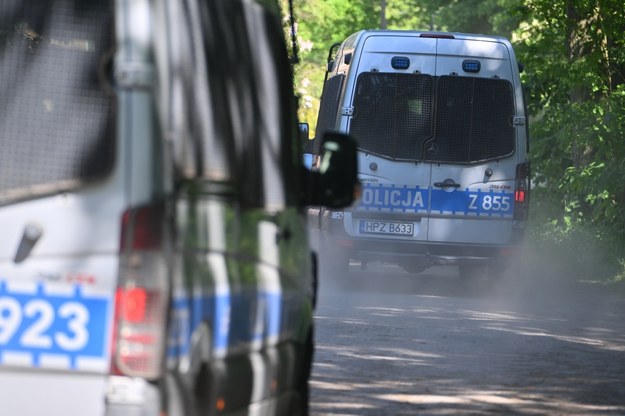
(252, 104)
(393, 114)
(443, 119)
(56, 119)
(473, 120)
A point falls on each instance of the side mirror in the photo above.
(335, 183)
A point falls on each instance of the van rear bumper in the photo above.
(392, 251)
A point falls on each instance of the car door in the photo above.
(472, 151)
(392, 118)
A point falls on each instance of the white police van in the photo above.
(154, 255)
(443, 151)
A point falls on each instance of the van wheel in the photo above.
(414, 267)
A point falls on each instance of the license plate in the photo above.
(386, 228)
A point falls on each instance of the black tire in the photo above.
(302, 406)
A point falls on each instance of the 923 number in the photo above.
(40, 326)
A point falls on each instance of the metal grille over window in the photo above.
(326, 120)
(56, 126)
(473, 120)
(393, 114)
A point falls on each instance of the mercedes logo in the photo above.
(433, 149)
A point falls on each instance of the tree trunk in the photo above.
(382, 14)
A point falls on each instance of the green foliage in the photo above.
(578, 251)
(574, 55)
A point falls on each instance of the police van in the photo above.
(442, 136)
(154, 256)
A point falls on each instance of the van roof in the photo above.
(432, 34)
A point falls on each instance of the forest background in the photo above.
(573, 52)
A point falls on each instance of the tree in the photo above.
(574, 51)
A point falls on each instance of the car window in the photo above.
(444, 119)
(393, 113)
(252, 105)
(56, 117)
(473, 119)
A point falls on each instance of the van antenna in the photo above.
(295, 56)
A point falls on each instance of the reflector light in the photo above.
(471, 66)
(400, 62)
(521, 192)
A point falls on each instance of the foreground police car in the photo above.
(154, 255)
(443, 151)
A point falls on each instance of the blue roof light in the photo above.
(400, 62)
(471, 66)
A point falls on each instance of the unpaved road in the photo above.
(391, 343)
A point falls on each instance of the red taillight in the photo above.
(132, 304)
(141, 300)
(521, 191)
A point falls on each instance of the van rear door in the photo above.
(472, 151)
(61, 200)
(391, 119)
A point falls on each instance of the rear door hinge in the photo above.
(347, 111)
(134, 75)
(519, 121)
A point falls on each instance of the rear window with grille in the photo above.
(56, 119)
(424, 118)
(393, 113)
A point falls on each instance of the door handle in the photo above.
(447, 183)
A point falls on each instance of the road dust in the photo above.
(535, 342)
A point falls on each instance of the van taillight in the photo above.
(141, 301)
(522, 191)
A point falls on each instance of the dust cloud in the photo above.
(536, 341)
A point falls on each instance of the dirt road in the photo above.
(391, 343)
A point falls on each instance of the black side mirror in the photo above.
(335, 183)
